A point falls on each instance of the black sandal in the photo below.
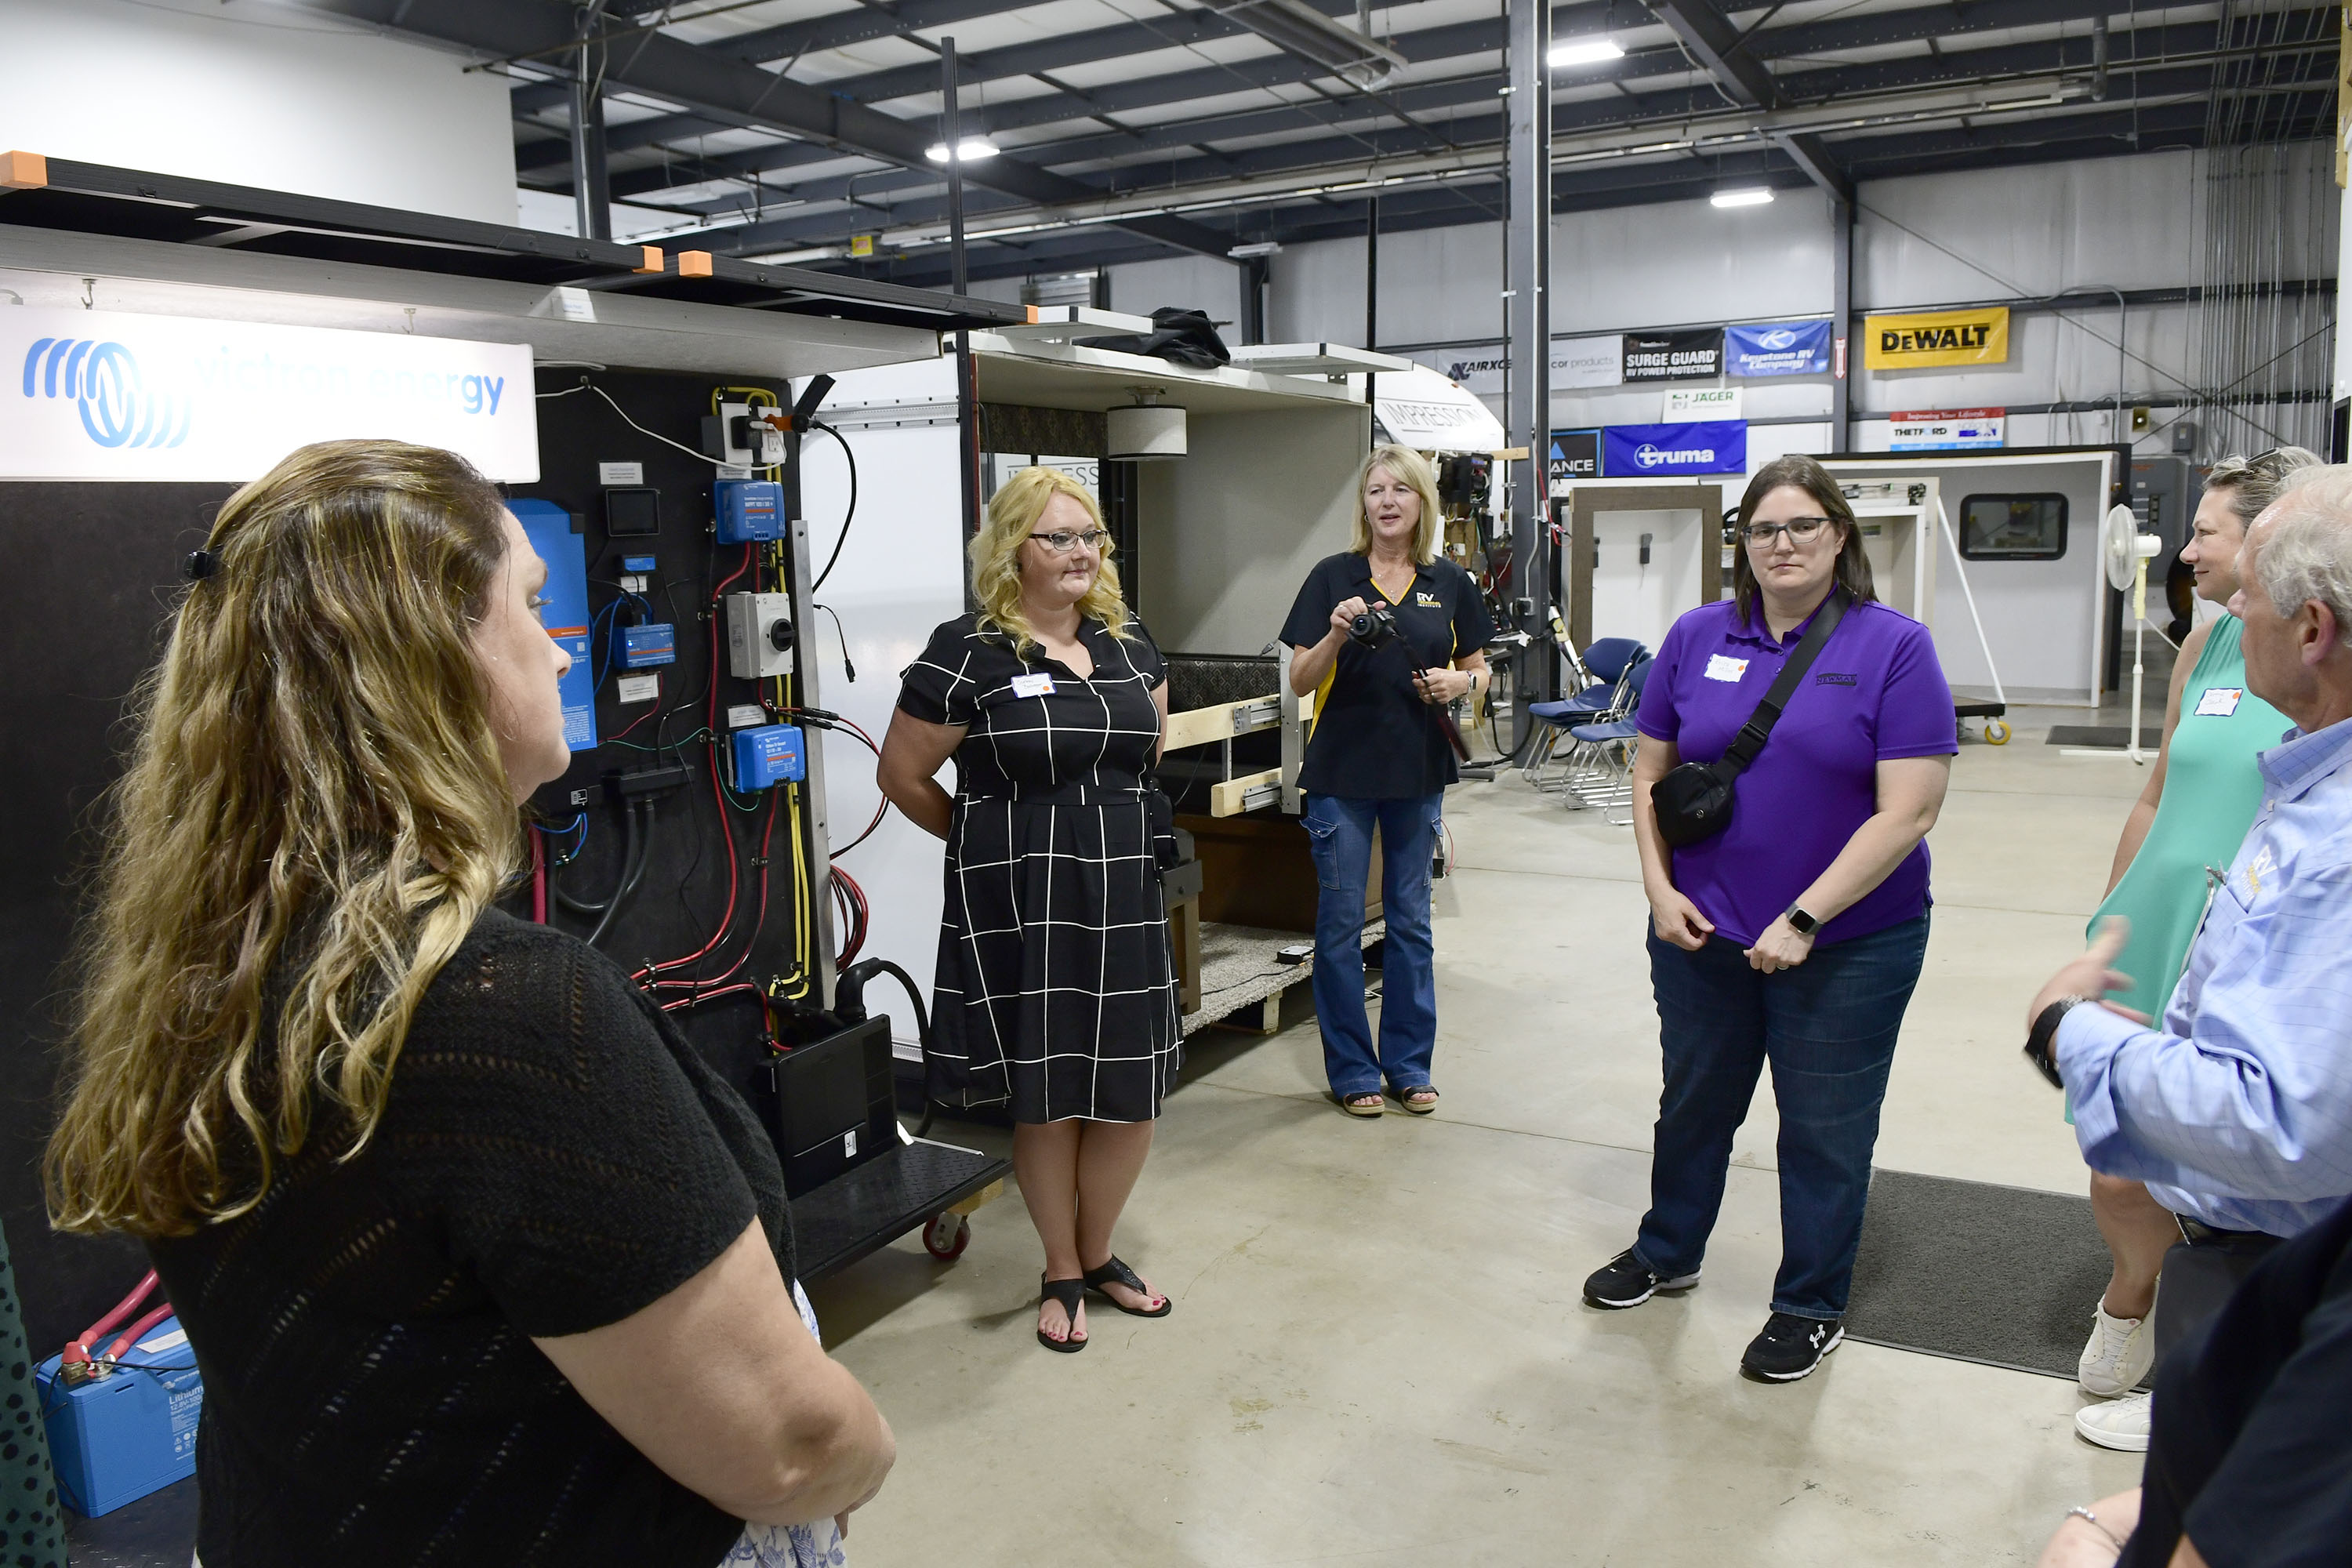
(1419, 1108)
(1118, 1273)
(1070, 1293)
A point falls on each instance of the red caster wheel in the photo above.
(946, 1236)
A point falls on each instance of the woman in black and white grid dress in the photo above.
(1056, 993)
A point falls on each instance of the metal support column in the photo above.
(1256, 274)
(1527, 272)
(1371, 283)
(954, 143)
(1840, 321)
(591, 190)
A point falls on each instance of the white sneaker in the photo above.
(2120, 1424)
(2118, 1356)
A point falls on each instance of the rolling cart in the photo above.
(858, 1180)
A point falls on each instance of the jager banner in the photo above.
(1937, 337)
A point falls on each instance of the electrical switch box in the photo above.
(644, 646)
(759, 635)
(768, 755)
(118, 1438)
(749, 511)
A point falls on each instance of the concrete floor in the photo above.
(1378, 1355)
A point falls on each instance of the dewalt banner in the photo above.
(1937, 337)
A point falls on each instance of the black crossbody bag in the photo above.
(1694, 802)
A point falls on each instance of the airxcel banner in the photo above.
(1656, 451)
(1674, 356)
(1778, 348)
(101, 395)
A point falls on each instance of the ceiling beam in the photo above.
(1723, 52)
(735, 91)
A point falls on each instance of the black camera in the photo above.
(1375, 628)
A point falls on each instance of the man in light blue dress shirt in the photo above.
(2236, 1111)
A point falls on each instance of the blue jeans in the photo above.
(1828, 1028)
(1339, 831)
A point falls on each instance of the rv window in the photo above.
(2014, 528)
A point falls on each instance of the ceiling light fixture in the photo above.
(1297, 28)
(1754, 196)
(971, 149)
(1584, 52)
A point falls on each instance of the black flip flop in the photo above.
(1118, 1273)
(1070, 1293)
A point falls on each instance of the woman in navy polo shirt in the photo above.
(1796, 934)
(1377, 757)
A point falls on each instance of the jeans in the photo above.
(1340, 832)
(1828, 1028)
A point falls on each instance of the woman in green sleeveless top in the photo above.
(2200, 798)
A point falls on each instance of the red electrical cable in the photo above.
(640, 719)
(537, 876)
(758, 923)
(727, 832)
(121, 1310)
(130, 1335)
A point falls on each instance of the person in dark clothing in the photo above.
(2250, 1454)
(1056, 990)
(479, 1262)
(1378, 760)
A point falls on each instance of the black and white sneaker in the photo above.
(1626, 1282)
(1790, 1347)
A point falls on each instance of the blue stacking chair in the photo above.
(1611, 743)
(1606, 662)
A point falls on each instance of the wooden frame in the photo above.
(1588, 500)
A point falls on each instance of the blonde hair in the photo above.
(313, 815)
(1403, 463)
(995, 551)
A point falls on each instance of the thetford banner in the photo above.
(1778, 348)
(1936, 338)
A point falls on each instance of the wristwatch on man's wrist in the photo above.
(1800, 922)
(2041, 1040)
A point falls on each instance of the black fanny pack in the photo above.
(1694, 801)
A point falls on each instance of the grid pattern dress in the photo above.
(1056, 991)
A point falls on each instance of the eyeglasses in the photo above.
(1803, 529)
(1061, 541)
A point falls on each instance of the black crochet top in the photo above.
(554, 1155)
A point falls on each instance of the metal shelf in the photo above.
(62, 194)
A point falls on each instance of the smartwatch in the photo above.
(1800, 922)
(2041, 1040)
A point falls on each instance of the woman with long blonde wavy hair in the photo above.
(478, 1260)
(1055, 994)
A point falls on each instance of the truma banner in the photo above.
(1778, 348)
(1661, 451)
(97, 394)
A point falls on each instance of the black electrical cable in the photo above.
(848, 517)
(643, 840)
(582, 907)
(866, 969)
(848, 669)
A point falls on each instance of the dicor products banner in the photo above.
(1587, 361)
(1651, 451)
(1946, 429)
(1778, 348)
(103, 395)
(1674, 356)
(1936, 338)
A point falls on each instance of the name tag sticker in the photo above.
(1723, 666)
(2220, 701)
(1036, 684)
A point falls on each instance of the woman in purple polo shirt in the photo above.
(1796, 934)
